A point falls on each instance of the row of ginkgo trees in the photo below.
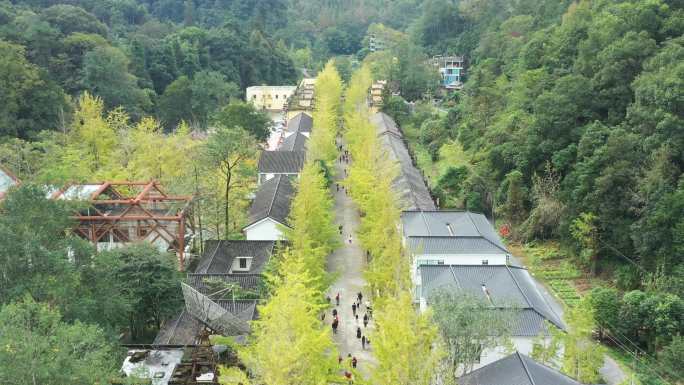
(289, 343)
(404, 342)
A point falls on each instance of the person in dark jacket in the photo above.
(358, 332)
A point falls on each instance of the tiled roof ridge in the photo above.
(453, 274)
(525, 357)
(477, 229)
(452, 236)
(468, 213)
(422, 216)
(524, 365)
(275, 194)
(530, 304)
(517, 284)
(211, 260)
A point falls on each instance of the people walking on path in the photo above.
(340, 228)
(354, 362)
(334, 312)
(365, 320)
(348, 376)
(337, 299)
(335, 323)
(363, 342)
(354, 308)
(350, 239)
(359, 296)
(355, 316)
(358, 332)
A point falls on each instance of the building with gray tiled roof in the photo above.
(294, 142)
(516, 369)
(224, 256)
(272, 163)
(507, 289)
(301, 123)
(409, 184)
(451, 237)
(232, 263)
(270, 209)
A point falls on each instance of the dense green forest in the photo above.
(569, 128)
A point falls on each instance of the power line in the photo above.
(621, 254)
(645, 364)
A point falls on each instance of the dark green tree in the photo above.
(40, 348)
(241, 114)
(29, 102)
(150, 283)
(105, 74)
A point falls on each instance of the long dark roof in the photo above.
(300, 123)
(443, 232)
(294, 142)
(509, 287)
(385, 124)
(281, 162)
(272, 200)
(219, 255)
(516, 369)
(184, 329)
(409, 184)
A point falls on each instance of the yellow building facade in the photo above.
(272, 98)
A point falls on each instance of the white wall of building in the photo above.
(264, 177)
(287, 134)
(521, 344)
(269, 97)
(454, 259)
(265, 230)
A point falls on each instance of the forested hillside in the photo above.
(571, 111)
(567, 133)
(147, 57)
(570, 127)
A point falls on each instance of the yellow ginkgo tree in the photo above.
(326, 116)
(289, 344)
(312, 233)
(405, 342)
